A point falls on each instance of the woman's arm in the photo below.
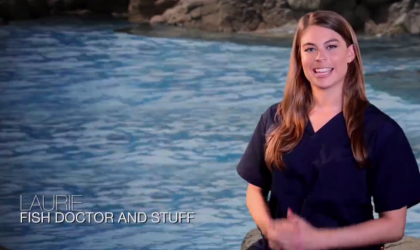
(388, 228)
(258, 208)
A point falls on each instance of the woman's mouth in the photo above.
(323, 72)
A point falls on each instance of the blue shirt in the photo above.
(322, 182)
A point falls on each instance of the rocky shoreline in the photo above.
(279, 16)
(263, 17)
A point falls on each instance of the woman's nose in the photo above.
(320, 56)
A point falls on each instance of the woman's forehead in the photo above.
(319, 35)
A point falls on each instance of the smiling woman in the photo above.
(325, 151)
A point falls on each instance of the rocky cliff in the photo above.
(370, 16)
(263, 16)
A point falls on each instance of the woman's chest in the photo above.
(323, 171)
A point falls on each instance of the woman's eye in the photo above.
(309, 49)
(332, 46)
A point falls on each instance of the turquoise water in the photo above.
(136, 123)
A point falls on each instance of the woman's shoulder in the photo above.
(382, 131)
(380, 123)
(270, 114)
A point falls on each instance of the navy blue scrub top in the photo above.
(322, 182)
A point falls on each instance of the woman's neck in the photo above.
(329, 100)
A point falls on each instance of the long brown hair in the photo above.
(298, 101)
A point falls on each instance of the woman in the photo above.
(324, 152)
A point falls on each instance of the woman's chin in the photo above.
(323, 85)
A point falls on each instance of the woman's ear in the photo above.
(350, 53)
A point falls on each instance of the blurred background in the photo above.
(148, 105)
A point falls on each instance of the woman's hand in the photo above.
(295, 233)
(282, 235)
(308, 235)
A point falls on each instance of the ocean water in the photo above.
(149, 124)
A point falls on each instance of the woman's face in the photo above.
(325, 56)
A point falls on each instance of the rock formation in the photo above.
(370, 16)
(261, 16)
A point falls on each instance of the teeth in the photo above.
(322, 70)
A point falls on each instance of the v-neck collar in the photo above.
(310, 128)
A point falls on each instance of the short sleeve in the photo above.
(252, 167)
(395, 174)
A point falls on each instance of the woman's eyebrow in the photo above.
(331, 40)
